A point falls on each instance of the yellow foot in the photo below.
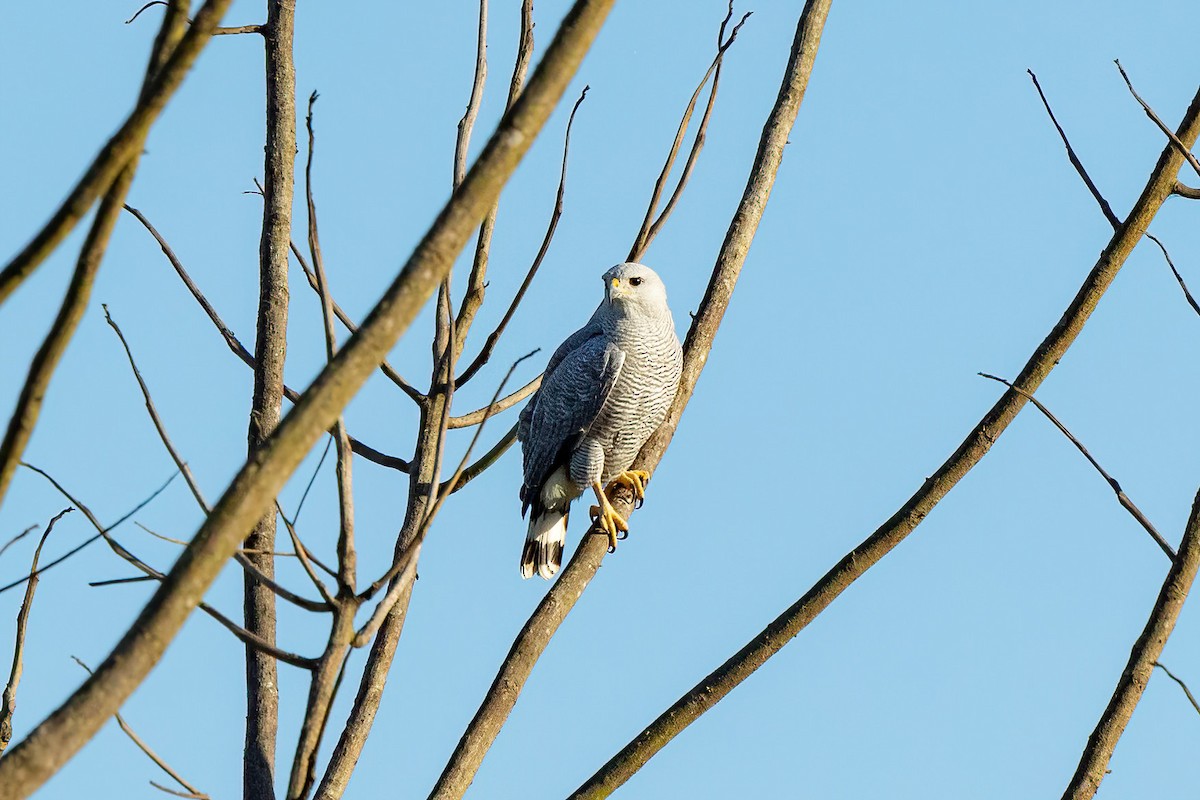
(607, 518)
(635, 480)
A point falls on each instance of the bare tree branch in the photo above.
(1122, 498)
(124, 146)
(787, 625)
(1184, 150)
(238, 349)
(155, 418)
(91, 518)
(651, 225)
(477, 416)
(1191, 698)
(259, 29)
(494, 337)
(486, 460)
(1183, 190)
(153, 756)
(1135, 676)
(1109, 214)
(45, 361)
(476, 282)
(386, 368)
(8, 700)
(1178, 278)
(17, 538)
(1104, 206)
(345, 546)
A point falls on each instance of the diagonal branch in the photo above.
(8, 700)
(145, 748)
(155, 418)
(1093, 764)
(124, 146)
(45, 361)
(1187, 295)
(1184, 150)
(1122, 498)
(17, 538)
(1191, 698)
(854, 564)
(1104, 206)
(1109, 214)
(477, 416)
(386, 368)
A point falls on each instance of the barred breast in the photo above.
(643, 392)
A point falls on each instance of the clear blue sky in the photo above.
(925, 226)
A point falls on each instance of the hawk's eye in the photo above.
(635, 281)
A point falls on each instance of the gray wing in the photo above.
(570, 398)
(569, 345)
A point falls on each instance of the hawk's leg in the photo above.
(607, 517)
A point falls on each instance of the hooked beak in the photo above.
(613, 291)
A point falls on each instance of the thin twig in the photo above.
(312, 479)
(1109, 214)
(701, 131)
(306, 559)
(238, 349)
(345, 545)
(1191, 698)
(1122, 498)
(8, 700)
(91, 518)
(1104, 206)
(153, 756)
(494, 337)
(478, 415)
(486, 460)
(386, 368)
(120, 581)
(650, 225)
(17, 538)
(477, 280)
(1178, 278)
(193, 486)
(259, 29)
(467, 124)
(1184, 150)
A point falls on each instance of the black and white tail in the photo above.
(543, 549)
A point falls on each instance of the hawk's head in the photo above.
(635, 287)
